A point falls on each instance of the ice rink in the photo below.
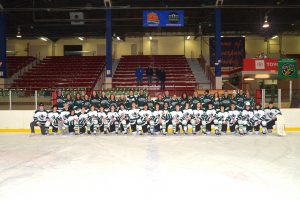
(145, 167)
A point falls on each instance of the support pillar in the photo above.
(218, 72)
(108, 73)
(3, 68)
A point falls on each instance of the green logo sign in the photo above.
(287, 68)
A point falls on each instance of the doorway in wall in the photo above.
(154, 47)
(73, 50)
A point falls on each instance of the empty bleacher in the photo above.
(16, 63)
(178, 72)
(63, 72)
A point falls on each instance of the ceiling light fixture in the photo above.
(188, 37)
(266, 23)
(19, 35)
(44, 39)
(81, 38)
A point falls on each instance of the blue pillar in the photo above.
(3, 68)
(218, 22)
(108, 44)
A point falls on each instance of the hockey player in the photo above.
(72, 122)
(141, 99)
(174, 102)
(184, 98)
(259, 119)
(197, 121)
(240, 98)
(187, 116)
(78, 102)
(82, 118)
(102, 120)
(221, 121)
(69, 101)
(156, 123)
(130, 98)
(195, 100)
(39, 119)
(249, 99)
(160, 101)
(234, 115)
(210, 117)
(124, 119)
(246, 121)
(177, 117)
(112, 101)
(167, 98)
(145, 116)
(62, 122)
(53, 118)
(166, 118)
(86, 102)
(113, 120)
(271, 112)
(104, 101)
(134, 118)
(60, 99)
(205, 99)
(150, 103)
(92, 122)
(94, 100)
(225, 101)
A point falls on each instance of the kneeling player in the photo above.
(187, 116)
(124, 120)
(92, 122)
(221, 121)
(259, 119)
(82, 120)
(166, 118)
(134, 118)
(146, 116)
(271, 113)
(157, 121)
(102, 120)
(210, 117)
(246, 120)
(234, 116)
(113, 120)
(53, 118)
(177, 117)
(72, 121)
(197, 121)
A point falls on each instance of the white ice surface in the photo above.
(138, 168)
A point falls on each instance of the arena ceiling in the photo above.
(51, 18)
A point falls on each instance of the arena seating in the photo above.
(16, 63)
(63, 72)
(178, 72)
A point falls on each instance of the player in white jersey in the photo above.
(187, 116)
(92, 122)
(166, 118)
(271, 113)
(39, 119)
(53, 118)
(63, 121)
(134, 118)
(221, 121)
(82, 118)
(113, 120)
(102, 120)
(72, 121)
(197, 121)
(210, 117)
(234, 115)
(157, 120)
(259, 119)
(146, 116)
(124, 119)
(246, 121)
(177, 117)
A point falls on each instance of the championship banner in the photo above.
(232, 51)
(163, 18)
(287, 68)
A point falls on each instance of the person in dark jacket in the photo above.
(162, 79)
(149, 73)
(158, 73)
(139, 72)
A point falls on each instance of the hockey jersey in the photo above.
(133, 115)
(54, 117)
(233, 115)
(199, 114)
(211, 114)
(40, 116)
(64, 115)
(82, 119)
(259, 115)
(177, 115)
(187, 113)
(112, 116)
(271, 112)
(194, 102)
(222, 116)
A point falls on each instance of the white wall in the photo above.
(20, 119)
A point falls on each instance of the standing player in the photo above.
(184, 98)
(177, 117)
(198, 121)
(130, 98)
(271, 113)
(225, 101)
(141, 99)
(195, 100)
(39, 119)
(160, 101)
(113, 120)
(174, 102)
(150, 103)
(112, 101)
(210, 117)
(221, 121)
(86, 102)
(78, 102)
(53, 118)
(240, 98)
(134, 118)
(247, 121)
(187, 116)
(234, 115)
(104, 101)
(167, 98)
(60, 99)
(205, 99)
(259, 119)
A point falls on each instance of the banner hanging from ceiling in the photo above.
(287, 68)
(163, 18)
